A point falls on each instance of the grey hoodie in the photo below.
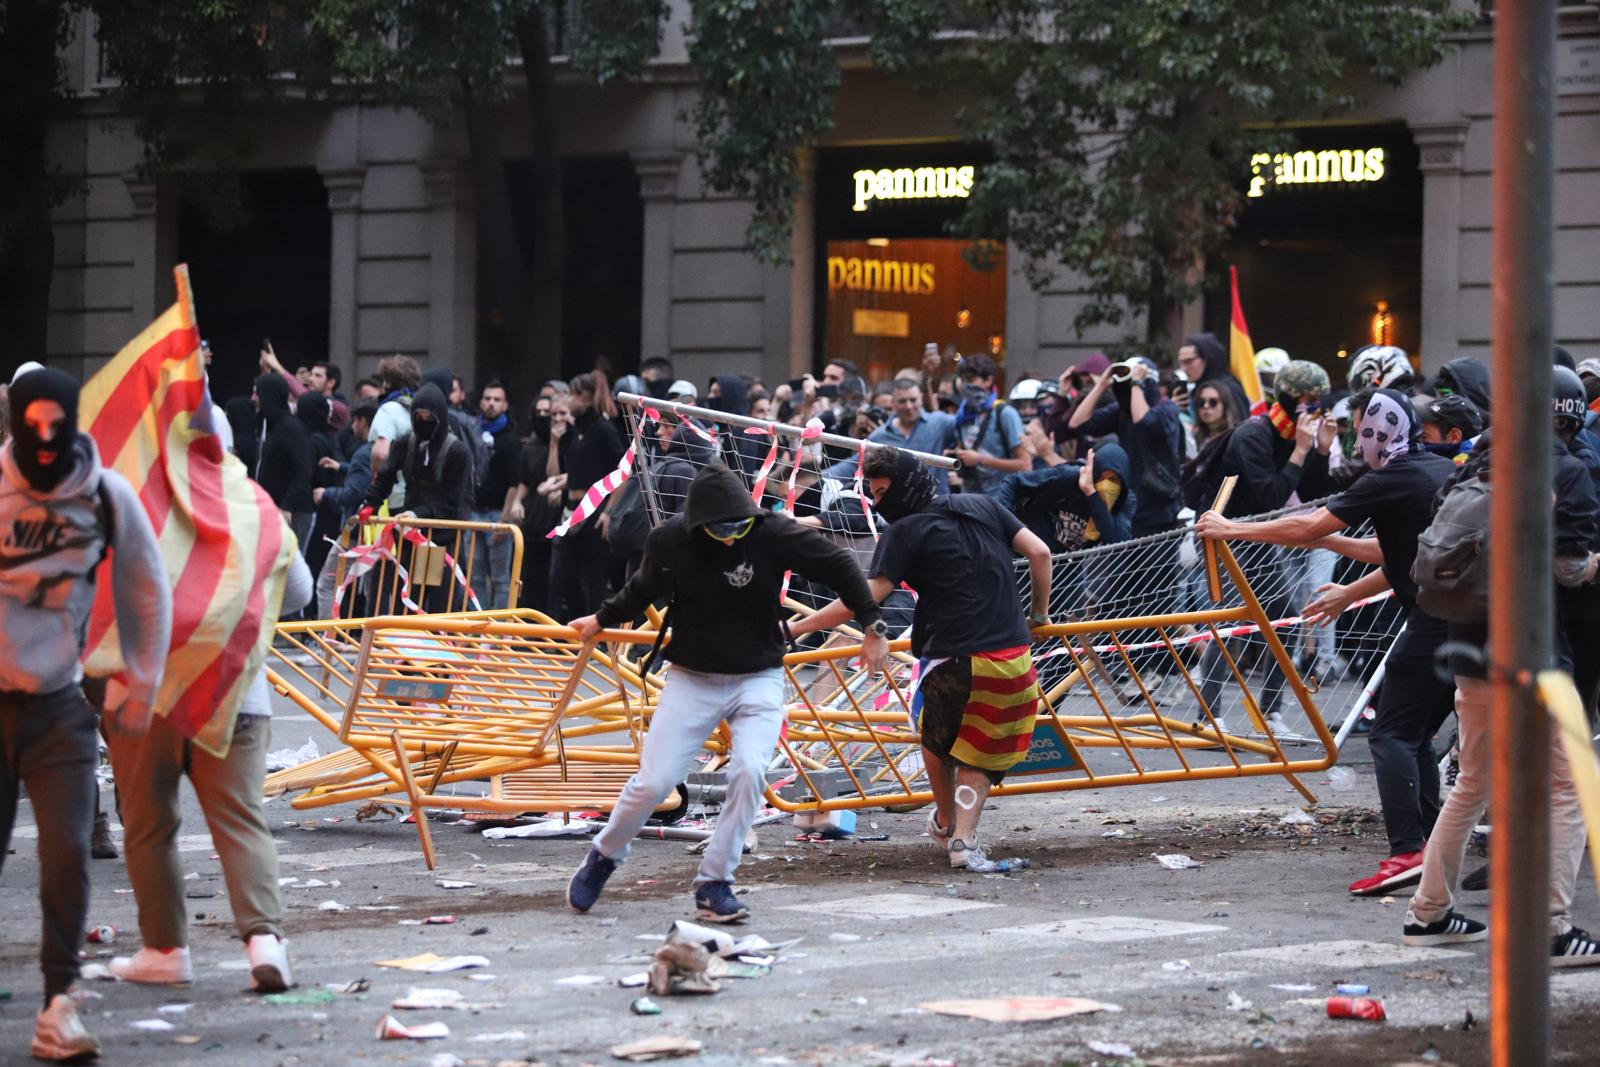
(50, 545)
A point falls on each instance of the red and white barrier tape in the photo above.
(365, 557)
(812, 432)
(597, 493)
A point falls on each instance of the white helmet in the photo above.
(1271, 360)
(682, 389)
(1379, 366)
(1027, 389)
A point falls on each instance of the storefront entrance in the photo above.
(891, 279)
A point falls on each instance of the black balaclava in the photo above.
(912, 489)
(313, 410)
(26, 445)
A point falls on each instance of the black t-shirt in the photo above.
(1398, 498)
(957, 555)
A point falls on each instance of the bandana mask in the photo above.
(911, 490)
(730, 531)
(1385, 431)
(423, 427)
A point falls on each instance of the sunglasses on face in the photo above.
(1209, 402)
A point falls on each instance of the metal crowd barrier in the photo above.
(429, 562)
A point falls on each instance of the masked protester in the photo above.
(1396, 495)
(978, 686)
(61, 511)
(286, 460)
(721, 565)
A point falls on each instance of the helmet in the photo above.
(1300, 377)
(1271, 360)
(1570, 402)
(1379, 367)
(683, 389)
(629, 383)
(1027, 389)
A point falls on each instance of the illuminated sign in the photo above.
(907, 183)
(879, 275)
(1327, 167)
(873, 322)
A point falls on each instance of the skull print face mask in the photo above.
(1386, 428)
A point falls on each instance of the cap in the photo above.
(682, 389)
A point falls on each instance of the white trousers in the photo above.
(691, 706)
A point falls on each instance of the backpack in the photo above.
(1202, 476)
(1452, 565)
(464, 429)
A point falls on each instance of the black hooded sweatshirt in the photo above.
(313, 410)
(438, 469)
(1468, 377)
(725, 608)
(284, 465)
(1219, 369)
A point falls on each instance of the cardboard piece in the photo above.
(657, 1048)
(433, 963)
(392, 1029)
(1015, 1009)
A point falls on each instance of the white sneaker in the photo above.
(154, 966)
(58, 1033)
(269, 963)
(940, 834)
(1276, 723)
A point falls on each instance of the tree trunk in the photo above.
(543, 349)
(29, 100)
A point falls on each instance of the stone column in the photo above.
(803, 272)
(1440, 146)
(146, 235)
(453, 268)
(344, 203)
(658, 188)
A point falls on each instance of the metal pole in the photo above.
(1520, 530)
(707, 415)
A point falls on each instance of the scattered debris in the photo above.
(377, 811)
(301, 996)
(1297, 818)
(578, 981)
(1294, 987)
(680, 968)
(844, 937)
(499, 1036)
(1238, 1003)
(433, 963)
(284, 758)
(102, 935)
(332, 905)
(1111, 1048)
(455, 883)
(644, 1006)
(355, 985)
(1175, 965)
(546, 828)
(159, 1026)
(1341, 778)
(446, 1059)
(423, 999)
(1352, 989)
(1176, 861)
(392, 1029)
(1016, 1009)
(1356, 1008)
(657, 1048)
(96, 972)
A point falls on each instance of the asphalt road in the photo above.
(1226, 962)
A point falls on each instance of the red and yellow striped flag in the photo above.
(227, 550)
(1241, 353)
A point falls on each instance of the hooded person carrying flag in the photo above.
(61, 512)
(721, 564)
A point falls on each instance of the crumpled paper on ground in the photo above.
(680, 968)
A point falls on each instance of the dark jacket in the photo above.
(1259, 455)
(504, 468)
(1580, 603)
(1050, 503)
(1468, 377)
(1154, 452)
(343, 499)
(284, 466)
(591, 450)
(725, 608)
(1219, 368)
(245, 422)
(438, 470)
(314, 411)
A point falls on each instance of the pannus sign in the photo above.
(1329, 166)
(912, 183)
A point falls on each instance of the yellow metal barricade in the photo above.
(417, 560)
(852, 741)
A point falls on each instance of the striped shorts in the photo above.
(978, 710)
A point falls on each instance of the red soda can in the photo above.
(1356, 1008)
(103, 935)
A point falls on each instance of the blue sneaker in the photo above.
(590, 879)
(715, 903)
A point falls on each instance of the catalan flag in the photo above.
(1241, 353)
(227, 550)
(997, 723)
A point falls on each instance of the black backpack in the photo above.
(1202, 476)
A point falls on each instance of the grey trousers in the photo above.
(48, 744)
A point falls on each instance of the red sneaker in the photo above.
(1394, 872)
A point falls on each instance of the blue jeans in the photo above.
(491, 563)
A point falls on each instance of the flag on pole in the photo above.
(1241, 353)
(227, 549)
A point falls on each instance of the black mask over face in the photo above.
(541, 428)
(911, 490)
(27, 444)
(657, 387)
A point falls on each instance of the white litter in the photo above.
(1297, 818)
(545, 828)
(1176, 861)
(173, 1009)
(453, 883)
(96, 972)
(284, 758)
(332, 905)
(634, 981)
(392, 1029)
(577, 981)
(1111, 1048)
(1341, 778)
(1175, 965)
(844, 937)
(1237, 1003)
(423, 999)
(157, 1025)
(1294, 987)
(446, 1059)
(502, 1035)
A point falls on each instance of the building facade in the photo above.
(362, 240)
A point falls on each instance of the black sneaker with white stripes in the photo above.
(1575, 948)
(1453, 929)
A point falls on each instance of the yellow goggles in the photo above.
(729, 532)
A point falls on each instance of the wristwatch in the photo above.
(1038, 618)
(878, 628)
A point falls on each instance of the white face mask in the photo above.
(1385, 431)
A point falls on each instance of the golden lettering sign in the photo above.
(1326, 167)
(872, 322)
(879, 275)
(907, 183)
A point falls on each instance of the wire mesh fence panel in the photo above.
(390, 566)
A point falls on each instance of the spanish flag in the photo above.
(227, 549)
(1241, 353)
